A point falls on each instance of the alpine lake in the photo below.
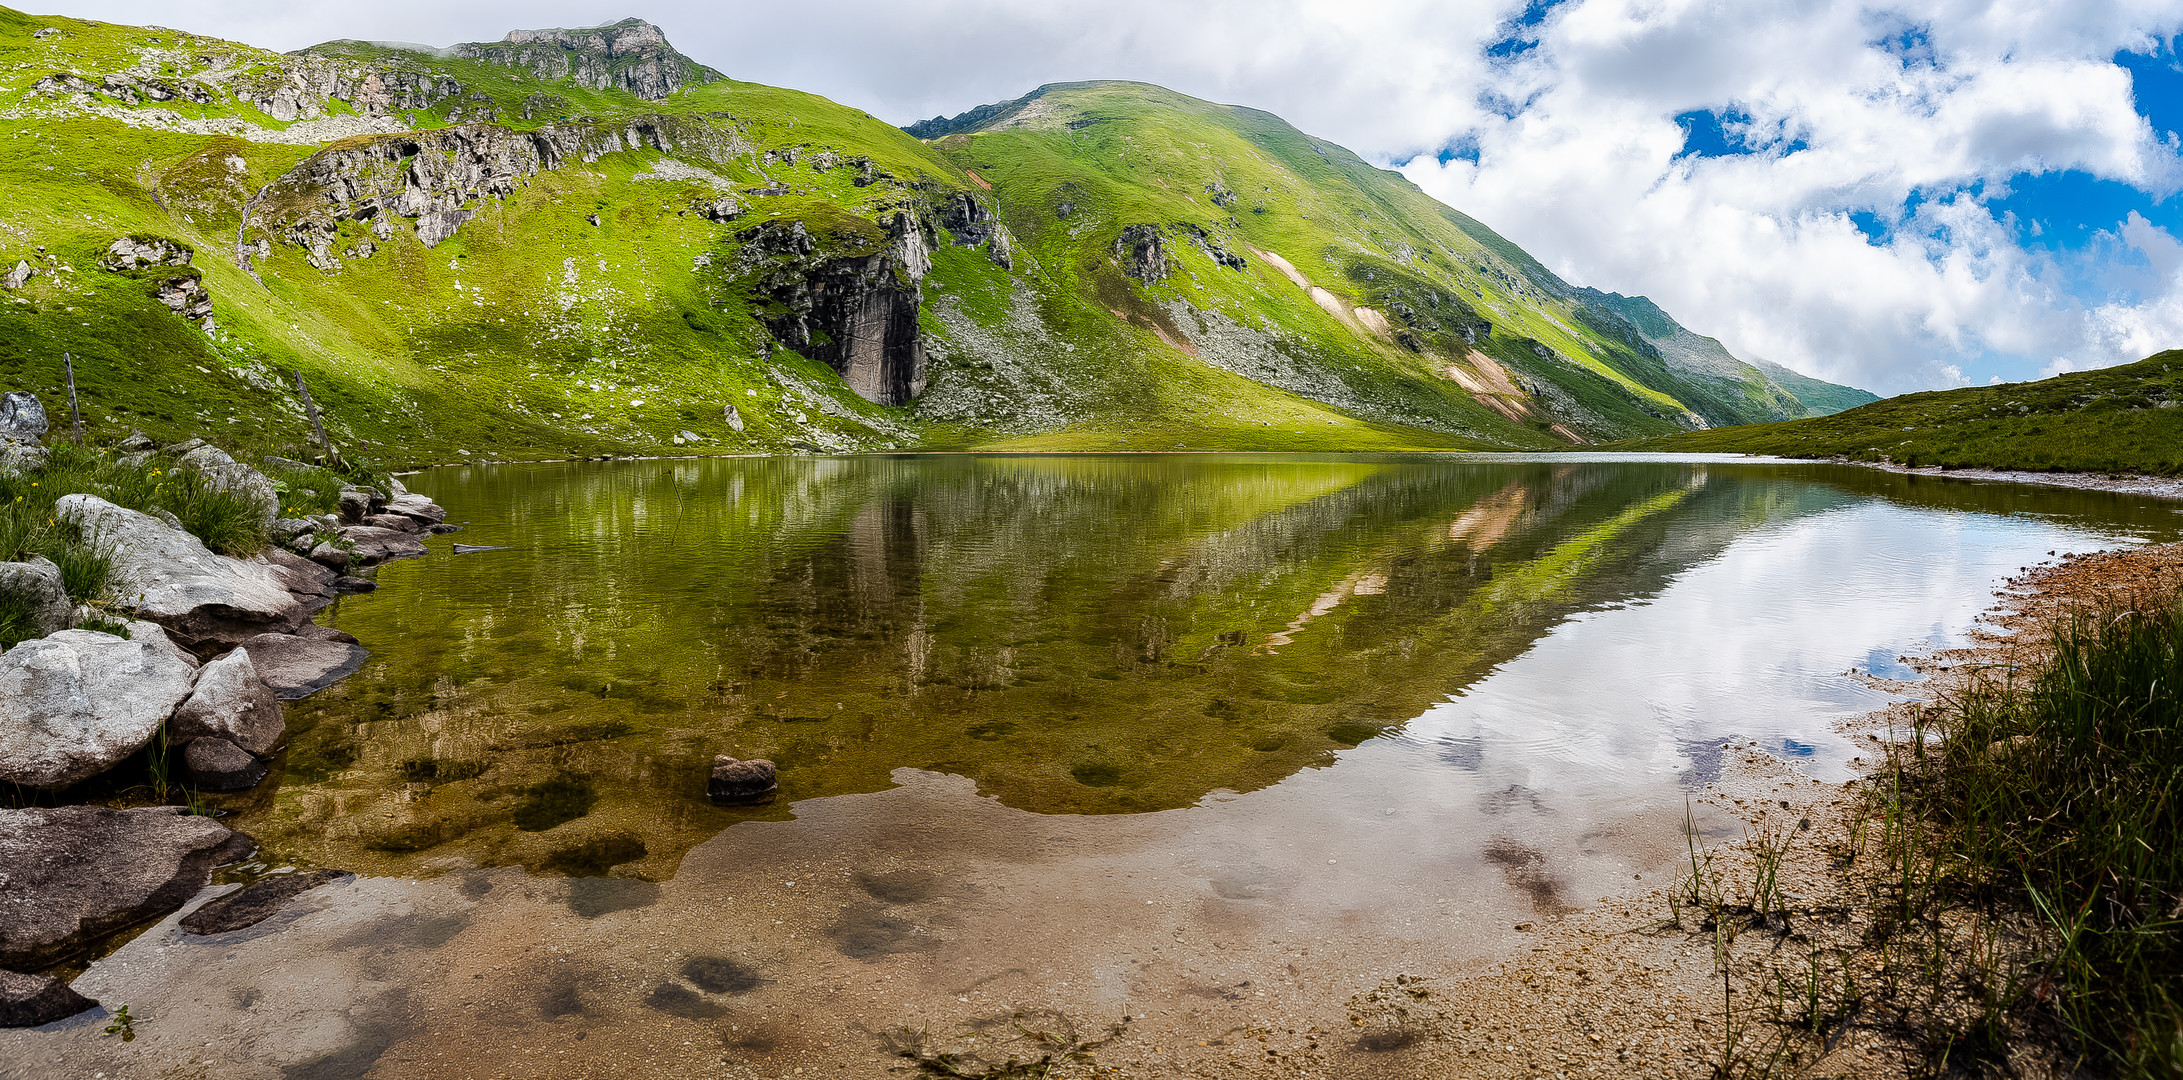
(1200, 740)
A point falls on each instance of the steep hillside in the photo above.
(2118, 419)
(581, 241)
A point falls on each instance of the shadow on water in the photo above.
(1077, 634)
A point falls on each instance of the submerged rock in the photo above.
(219, 765)
(741, 781)
(76, 873)
(297, 667)
(75, 703)
(35, 585)
(173, 580)
(256, 902)
(231, 702)
(31, 1000)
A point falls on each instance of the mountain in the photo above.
(573, 242)
(2120, 419)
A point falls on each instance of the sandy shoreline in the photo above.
(2154, 487)
(1619, 990)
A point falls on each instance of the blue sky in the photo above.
(1899, 194)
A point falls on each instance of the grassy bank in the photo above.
(2119, 419)
(2061, 796)
(228, 522)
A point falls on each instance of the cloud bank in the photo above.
(1921, 195)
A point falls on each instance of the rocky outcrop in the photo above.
(231, 702)
(141, 251)
(854, 311)
(164, 264)
(1142, 252)
(1211, 246)
(973, 223)
(75, 703)
(22, 432)
(31, 1000)
(167, 576)
(631, 55)
(76, 873)
(437, 178)
(35, 586)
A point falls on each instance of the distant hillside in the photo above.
(582, 241)
(1819, 398)
(2118, 419)
(1748, 393)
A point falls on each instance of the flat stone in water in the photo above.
(76, 873)
(32, 1000)
(297, 667)
(256, 902)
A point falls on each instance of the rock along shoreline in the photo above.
(187, 657)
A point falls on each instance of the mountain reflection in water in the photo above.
(1095, 635)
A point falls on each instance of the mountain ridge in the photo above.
(582, 241)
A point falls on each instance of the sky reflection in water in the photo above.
(1121, 635)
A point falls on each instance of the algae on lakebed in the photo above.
(1075, 634)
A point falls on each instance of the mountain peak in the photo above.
(632, 55)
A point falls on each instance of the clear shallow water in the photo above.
(1098, 635)
(1211, 742)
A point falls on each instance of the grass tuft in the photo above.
(2067, 795)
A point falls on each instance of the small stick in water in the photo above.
(465, 549)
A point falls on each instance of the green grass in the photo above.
(2125, 419)
(2066, 796)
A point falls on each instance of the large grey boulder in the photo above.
(167, 576)
(36, 585)
(297, 667)
(22, 432)
(230, 702)
(31, 1000)
(225, 473)
(74, 873)
(73, 704)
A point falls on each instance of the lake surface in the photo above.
(1103, 635)
(1210, 742)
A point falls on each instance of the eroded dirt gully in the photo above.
(1224, 940)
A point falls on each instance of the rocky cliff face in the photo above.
(436, 178)
(854, 310)
(631, 55)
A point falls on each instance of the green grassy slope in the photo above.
(2119, 419)
(603, 300)
(1073, 164)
